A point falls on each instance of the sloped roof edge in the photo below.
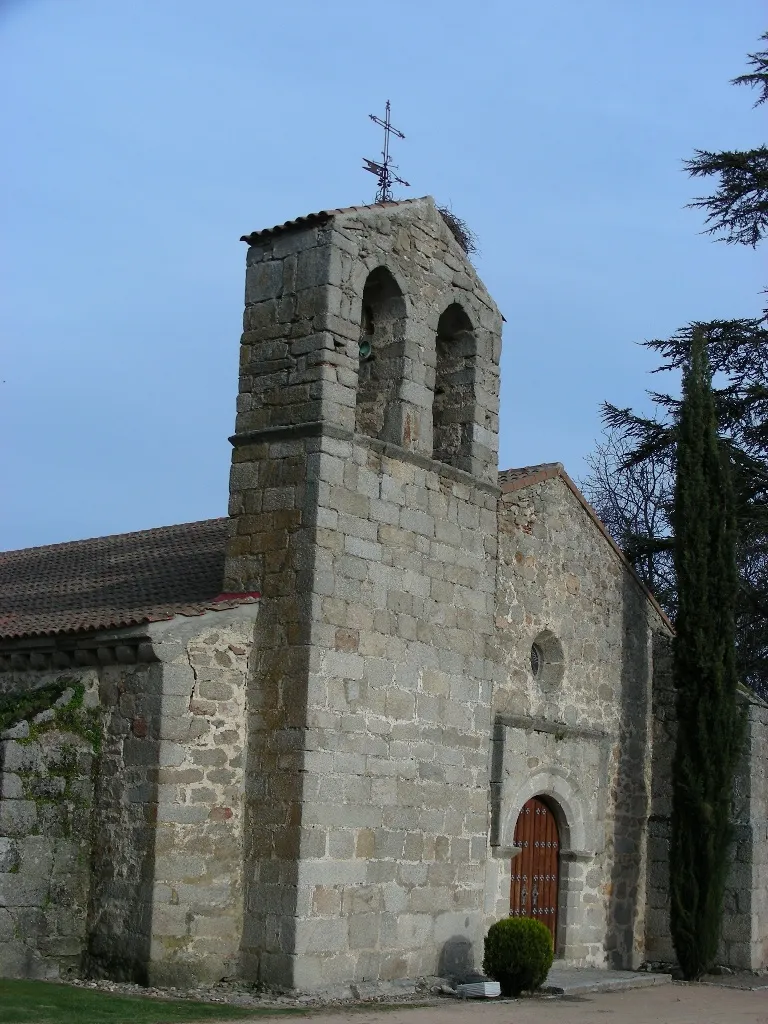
(321, 217)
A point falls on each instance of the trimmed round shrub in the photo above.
(518, 954)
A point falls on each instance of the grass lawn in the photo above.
(42, 1002)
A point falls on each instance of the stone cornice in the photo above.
(320, 428)
(140, 644)
(86, 650)
(560, 730)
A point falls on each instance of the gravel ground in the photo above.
(426, 992)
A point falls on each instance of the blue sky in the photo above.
(144, 137)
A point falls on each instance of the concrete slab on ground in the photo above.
(576, 981)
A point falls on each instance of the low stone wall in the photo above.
(121, 810)
(47, 768)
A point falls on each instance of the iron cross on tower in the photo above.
(383, 170)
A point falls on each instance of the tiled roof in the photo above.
(311, 219)
(109, 582)
(512, 479)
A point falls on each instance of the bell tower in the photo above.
(363, 507)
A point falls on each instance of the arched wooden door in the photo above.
(536, 869)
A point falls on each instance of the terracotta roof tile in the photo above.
(511, 479)
(109, 582)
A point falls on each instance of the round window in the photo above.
(547, 659)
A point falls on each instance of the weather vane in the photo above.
(383, 170)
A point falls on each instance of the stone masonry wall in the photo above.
(299, 357)
(395, 812)
(368, 715)
(46, 797)
(745, 919)
(273, 508)
(120, 912)
(578, 731)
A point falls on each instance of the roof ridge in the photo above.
(516, 471)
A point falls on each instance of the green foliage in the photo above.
(739, 206)
(643, 449)
(81, 721)
(73, 717)
(709, 721)
(39, 1002)
(17, 707)
(758, 77)
(631, 483)
(738, 209)
(518, 954)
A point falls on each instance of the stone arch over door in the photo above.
(574, 820)
(575, 827)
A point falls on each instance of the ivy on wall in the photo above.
(16, 707)
(71, 717)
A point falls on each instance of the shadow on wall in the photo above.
(457, 961)
(46, 773)
(276, 710)
(121, 902)
(625, 938)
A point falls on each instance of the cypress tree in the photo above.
(709, 720)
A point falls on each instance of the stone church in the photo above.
(394, 696)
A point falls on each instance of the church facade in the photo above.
(394, 696)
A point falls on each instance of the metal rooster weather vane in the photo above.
(383, 170)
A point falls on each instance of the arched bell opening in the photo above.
(454, 403)
(381, 355)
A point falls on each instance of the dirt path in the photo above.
(667, 1004)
